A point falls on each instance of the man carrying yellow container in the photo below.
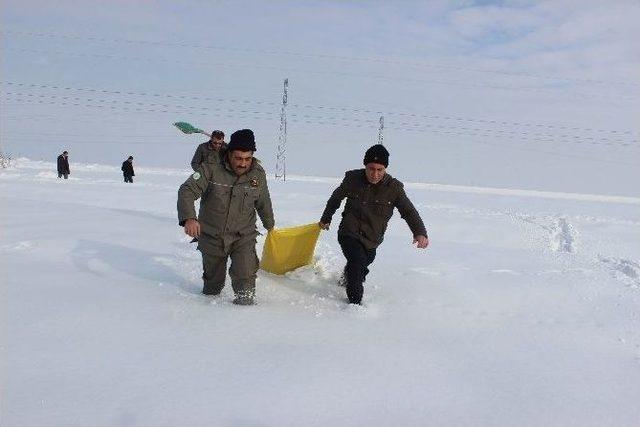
(233, 189)
(371, 194)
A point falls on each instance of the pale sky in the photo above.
(489, 88)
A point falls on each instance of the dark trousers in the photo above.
(358, 259)
(128, 178)
(61, 174)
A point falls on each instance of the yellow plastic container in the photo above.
(289, 248)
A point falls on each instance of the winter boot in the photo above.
(244, 298)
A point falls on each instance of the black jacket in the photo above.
(63, 164)
(370, 206)
(127, 168)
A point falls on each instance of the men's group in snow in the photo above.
(233, 188)
(64, 171)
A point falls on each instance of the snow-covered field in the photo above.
(524, 311)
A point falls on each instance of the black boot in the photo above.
(354, 293)
(244, 298)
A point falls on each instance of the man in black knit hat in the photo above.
(233, 189)
(371, 194)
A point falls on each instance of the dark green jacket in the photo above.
(369, 208)
(229, 202)
(206, 153)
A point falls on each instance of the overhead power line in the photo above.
(346, 58)
(353, 123)
(396, 79)
(339, 109)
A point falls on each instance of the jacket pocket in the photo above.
(383, 208)
(249, 199)
(354, 194)
(218, 198)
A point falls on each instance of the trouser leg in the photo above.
(214, 265)
(358, 259)
(244, 266)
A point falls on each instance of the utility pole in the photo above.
(380, 130)
(281, 155)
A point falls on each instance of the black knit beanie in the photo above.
(242, 140)
(377, 154)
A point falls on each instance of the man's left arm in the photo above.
(264, 207)
(410, 214)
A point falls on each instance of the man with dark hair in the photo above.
(63, 165)
(127, 170)
(371, 196)
(210, 150)
(233, 189)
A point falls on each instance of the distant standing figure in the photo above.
(127, 170)
(209, 151)
(63, 165)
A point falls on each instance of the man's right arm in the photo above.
(190, 191)
(332, 205)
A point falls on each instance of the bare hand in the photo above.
(422, 241)
(192, 227)
(324, 226)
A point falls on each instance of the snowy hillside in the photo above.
(525, 310)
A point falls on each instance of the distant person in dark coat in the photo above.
(63, 165)
(372, 194)
(209, 151)
(127, 170)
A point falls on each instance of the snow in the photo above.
(523, 311)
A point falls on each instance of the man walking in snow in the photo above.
(233, 189)
(210, 150)
(127, 170)
(371, 196)
(63, 165)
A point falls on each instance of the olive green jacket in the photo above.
(229, 202)
(370, 206)
(206, 153)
